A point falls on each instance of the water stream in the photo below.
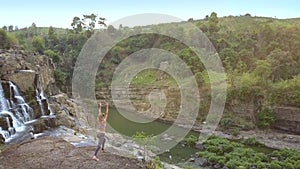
(15, 114)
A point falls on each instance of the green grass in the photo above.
(150, 77)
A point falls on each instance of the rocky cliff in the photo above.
(141, 98)
(29, 96)
(27, 70)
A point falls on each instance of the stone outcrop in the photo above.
(22, 69)
(72, 113)
(166, 100)
(33, 75)
(49, 152)
(287, 119)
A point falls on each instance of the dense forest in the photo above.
(260, 55)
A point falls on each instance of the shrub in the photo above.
(154, 164)
(53, 55)
(275, 165)
(266, 118)
(251, 141)
(38, 44)
(7, 40)
(191, 140)
(232, 163)
(235, 131)
(226, 123)
(60, 78)
(260, 165)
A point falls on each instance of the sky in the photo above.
(59, 13)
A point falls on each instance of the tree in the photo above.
(282, 64)
(77, 24)
(4, 43)
(265, 118)
(262, 70)
(33, 25)
(145, 141)
(7, 40)
(120, 27)
(111, 30)
(52, 39)
(101, 21)
(4, 28)
(213, 21)
(38, 44)
(229, 58)
(89, 23)
(51, 31)
(11, 28)
(53, 55)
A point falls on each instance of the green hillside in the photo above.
(260, 55)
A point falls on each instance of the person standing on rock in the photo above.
(102, 125)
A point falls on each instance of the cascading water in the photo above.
(26, 111)
(40, 97)
(3, 107)
(14, 111)
(15, 114)
(3, 101)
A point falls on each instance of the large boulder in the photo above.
(23, 79)
(72, 113)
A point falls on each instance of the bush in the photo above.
(191, 140)
(154, 164)
(236, 155)
(235, 131)
(53, 55)
(251, 141)
(286, 92)
(7, 40)
(275, 165)
(60, 78)
(265, 118)
(226, 123)
(38, 44)
(260, 165)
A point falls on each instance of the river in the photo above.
(176, 154)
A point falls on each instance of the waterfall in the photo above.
(26, 110)
(14, 111)
(16, 116)
(3, 101)
(39, 100)
(40, 97)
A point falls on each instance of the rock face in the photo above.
(49, 152)
(287, 119)
(22, 69)
(27, 80)
(166, 100)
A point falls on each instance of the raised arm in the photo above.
(99, 111)
(106, 113)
